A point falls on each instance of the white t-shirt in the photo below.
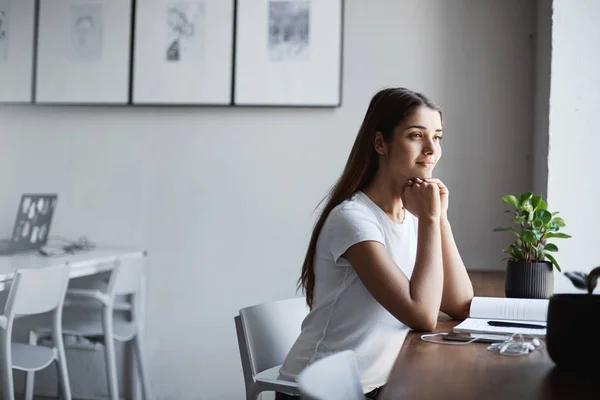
(345, 316)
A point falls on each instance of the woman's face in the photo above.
(415, 147)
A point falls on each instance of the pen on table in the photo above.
(515, 325)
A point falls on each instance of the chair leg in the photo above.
(63, 372)
(109, 355)
(141, 367)
(30, 375)
(8, 388)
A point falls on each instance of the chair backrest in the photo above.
(270, 330)
(126, 276)
(334, 377)
(36, 291)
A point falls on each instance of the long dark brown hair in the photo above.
(387, 109)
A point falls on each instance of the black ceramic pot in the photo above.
(573, 329)
(533, 280)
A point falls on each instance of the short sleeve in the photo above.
(348, 225)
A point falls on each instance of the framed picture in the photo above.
(17, 33)
(288, 52)
(84, 49)
(183, 52)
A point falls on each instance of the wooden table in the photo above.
(432, 371)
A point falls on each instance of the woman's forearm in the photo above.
(458, 290)
(427, 279)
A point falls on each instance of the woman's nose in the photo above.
(428, 147)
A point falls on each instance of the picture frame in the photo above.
(183, 52)
(17, 48)
(288, 53)
(83, 52)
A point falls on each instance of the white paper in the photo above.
(480, 325)
(509, 308)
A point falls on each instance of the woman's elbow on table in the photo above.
(460, 310)
(424, 323)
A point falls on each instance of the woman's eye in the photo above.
(439, 137)
(415, 135)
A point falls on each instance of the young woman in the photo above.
(382, 258)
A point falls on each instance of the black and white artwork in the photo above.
(288, 53)
(289, 28)
(185, 31)
(83, 51)
(85, 33)
(17, 27)
(4, 14)
(183, 52)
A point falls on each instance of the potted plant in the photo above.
(572, 318)
(529, 270)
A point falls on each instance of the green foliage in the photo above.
(535, 225)
(584, 281)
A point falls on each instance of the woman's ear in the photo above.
(379, 144)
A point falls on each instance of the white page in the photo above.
(478, 325)
(509, 308)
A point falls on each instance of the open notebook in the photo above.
(502, 310)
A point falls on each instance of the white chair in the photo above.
(125, 279)
(334, 377)
(265, 334)
(34, 291)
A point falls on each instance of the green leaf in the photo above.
(542, 205)
(535, 201)
(501, 229)
(519, 219)
(508, 211)
(559, 221)
(509, 251)
(551, 235)
(555, 213)
(529, 213)
(540, 249)
(526, 196)
(510, 200)
(528, 236)
(553, 261)
(592, 279)
(544, 215)
(579, 279)
(516, 251)
(537, 223)
(551, 247)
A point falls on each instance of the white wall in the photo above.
(223, 198)
(573, 139)
(543, 56)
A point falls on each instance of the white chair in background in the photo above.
(334, 377)
(125, 279)
(34, 291)
(265, 334)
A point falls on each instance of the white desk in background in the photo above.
(83, 263)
